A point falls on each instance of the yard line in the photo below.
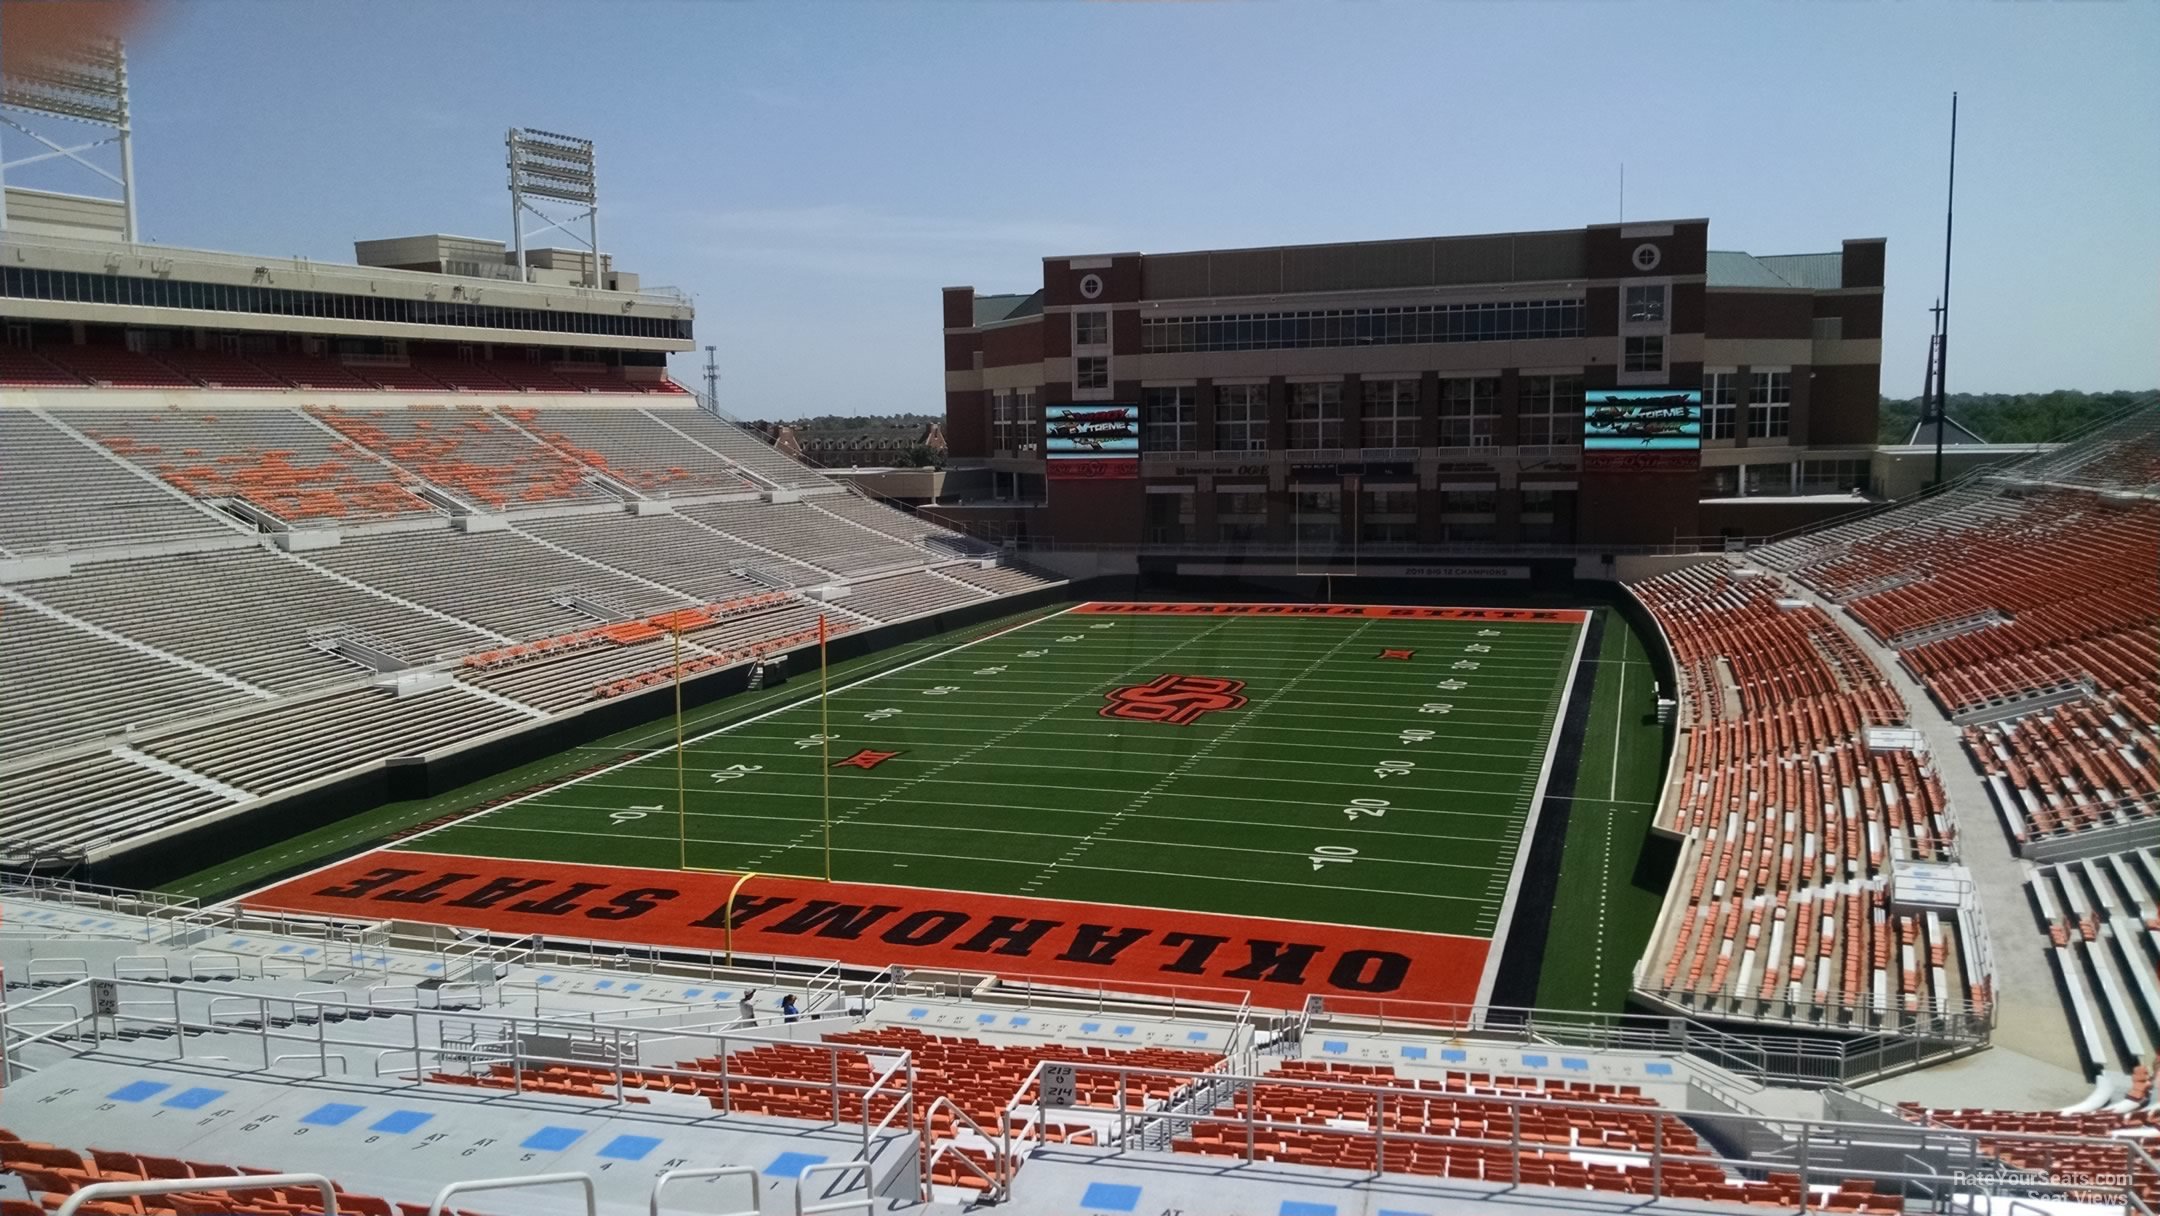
(1052, 810)
(1011, 861)
(1321, 804)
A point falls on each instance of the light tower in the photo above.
(555, 169)
(82, 83)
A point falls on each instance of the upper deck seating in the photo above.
(216, 369)
(1791, 821)
(471, 453)
(667, 550)
(276, 459)
(402, 377)
(809, 535)
(116, 367)
(309, 371)
(878, 517)
(67, 685)
(57, 493)
(901, 596)
(25, 368)
(502, 581)
(635, 449)
(740, 446)
(1001, 579)
(250, 613)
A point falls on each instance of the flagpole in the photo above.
(682, 798)
(825, 741)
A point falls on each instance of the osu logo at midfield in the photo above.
(1178, 700)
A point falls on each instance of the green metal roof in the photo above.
(1814, 271)
(992, 309)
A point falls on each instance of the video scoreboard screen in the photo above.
(1641, 429)
(1088, 440)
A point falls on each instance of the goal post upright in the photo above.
(824, 744)
(682, 797)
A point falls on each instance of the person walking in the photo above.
(788, 1011)
(747, 1009)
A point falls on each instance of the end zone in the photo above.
(1281, 962)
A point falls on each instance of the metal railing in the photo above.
(1812, 1059)
(1522, 1141)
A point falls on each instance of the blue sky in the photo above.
(814, 172)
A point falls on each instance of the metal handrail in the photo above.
(841, 1205)
(442, 1197)
(230, 1182)
(1000, 1183)
(712, 1171)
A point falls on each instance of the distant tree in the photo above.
(2014, 417)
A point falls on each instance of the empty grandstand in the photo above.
(364, 531)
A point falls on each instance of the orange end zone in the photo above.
(1279, 962)
(1404, 612)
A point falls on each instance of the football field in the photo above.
(1361, 767)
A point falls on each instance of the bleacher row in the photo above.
(2025, 601)
(2102, 918)
(95, 365)
(1791, 821)
(169, 636)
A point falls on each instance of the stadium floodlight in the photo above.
(86, 83)
(557, 169)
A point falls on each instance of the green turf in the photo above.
(369, 827)
(1600, 919)
(1007, 779)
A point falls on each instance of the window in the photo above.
(1833, 476)
(1391, 501)
(1718, 481)
(1167, 420)
(1550, 411)
(1385, 532)
(1091, 329)
(1027, 420)
(1643, 354)
(1768, 480)
(1469, 502)
(1240, 417)
(1769, 405)
(1169, 518)
(1241, 502)
(1469, 410)
(1318, 514)
(1646, 305)
(1720, 394)
(1316, 415)
(1390, 414)
(1001, 421)
(1485, 321)
(83, 287)
(1091, 372)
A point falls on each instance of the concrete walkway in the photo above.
(2030, 1018)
